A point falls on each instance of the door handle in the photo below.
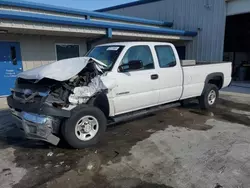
(154, 76)
(20, 69)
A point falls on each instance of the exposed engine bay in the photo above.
(60, 94)
(78, 89)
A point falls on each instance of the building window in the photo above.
(65, 51)
(13, 55)
(165, 56)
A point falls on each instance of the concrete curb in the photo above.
(234, 94)
(3, 103)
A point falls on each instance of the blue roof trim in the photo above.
(125, 5)
(14, 15)
(40, 6)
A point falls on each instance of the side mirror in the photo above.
(132, 65)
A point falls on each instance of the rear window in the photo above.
(165, 56)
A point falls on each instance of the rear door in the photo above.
(10, 65)
(170, 74)
(136, 89)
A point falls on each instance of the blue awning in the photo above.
(43, 18)
(58, 9)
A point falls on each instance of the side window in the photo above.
(142, 53)
(165, 56)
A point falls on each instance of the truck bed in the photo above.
(185, 63)
(196, 73)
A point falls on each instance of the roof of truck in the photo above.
(135, 43)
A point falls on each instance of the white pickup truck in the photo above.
(77, 98)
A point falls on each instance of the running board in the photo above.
(132, 115)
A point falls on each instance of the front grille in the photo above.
(36, 98)
(17, 94)
(23, 96)
(32, 129)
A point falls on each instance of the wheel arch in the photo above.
(100, 101)
(69, 125)
(216, 78)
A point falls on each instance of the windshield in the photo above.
(106, 54)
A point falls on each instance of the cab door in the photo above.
(170, 74)
(10, 65)
(136, 89)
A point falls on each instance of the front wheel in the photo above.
(209, 98)
(85, 127)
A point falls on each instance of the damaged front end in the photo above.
(43, 98)
(38, 127)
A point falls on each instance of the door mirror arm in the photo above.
(130, 66)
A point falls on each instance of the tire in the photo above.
(85, 127)
(209, 98)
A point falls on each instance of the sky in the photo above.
(84, 4)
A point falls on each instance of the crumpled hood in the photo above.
(60, 70)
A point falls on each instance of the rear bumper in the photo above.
(38, 127)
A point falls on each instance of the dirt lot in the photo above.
(178, 148)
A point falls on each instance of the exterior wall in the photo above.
(68, 15)
(206, 16)
(238, 7)
(40, 50)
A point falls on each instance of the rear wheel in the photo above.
(209, 97)
(85, 127)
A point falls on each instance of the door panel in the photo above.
(135, 90)
(10, 65)
(170, 85)
(170, 74)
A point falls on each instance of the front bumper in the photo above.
(38, 127)
(39, 107)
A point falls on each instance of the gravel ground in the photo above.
(178, 148)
